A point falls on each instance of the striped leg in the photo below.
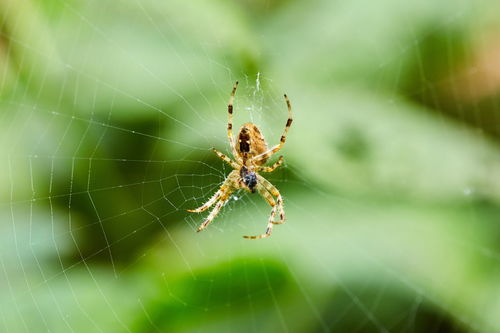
(213, 214)
(272, 167)
(282, 220)
(230, 121)
(224, 191)
(207, 204)
(279, 199)
(268, 153)
(226, 159)
(270, 200)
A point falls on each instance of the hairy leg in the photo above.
(271, 168)
(212, 214)
(270, 152)
(227, 188)
(279, 199)
(230, 121)
(207, 204)
(270, 200)
(226, 159)
(224, 190)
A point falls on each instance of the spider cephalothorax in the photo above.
(250, 153)
(249, 178)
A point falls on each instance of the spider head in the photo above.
(249, 178)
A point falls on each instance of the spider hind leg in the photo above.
(267, 154)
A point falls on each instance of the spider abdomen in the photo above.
(251, 142)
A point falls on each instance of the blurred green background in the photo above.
(391, 178)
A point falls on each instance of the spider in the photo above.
(250, 154)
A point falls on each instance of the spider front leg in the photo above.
(270, 200)
(207, 204)
(213, 213)
(279, 199)
(221, 197)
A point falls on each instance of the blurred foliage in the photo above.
(108, 110)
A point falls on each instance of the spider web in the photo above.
(109, 111)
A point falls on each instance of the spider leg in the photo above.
(279, 199)
(272, 167)
(214, 212)
(207, 204)
(230, 121)
(221, 197)
(224, 190)
(226, 159)
(275, 149)
(270, 200)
